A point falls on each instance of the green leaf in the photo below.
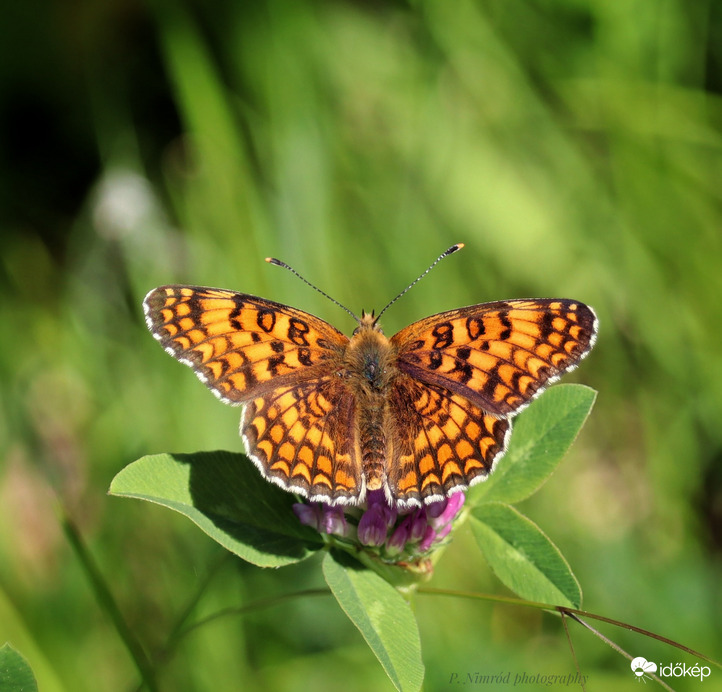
(383, 616)
(523, 558)
(15, 673)
(226, 496)
(541, 437)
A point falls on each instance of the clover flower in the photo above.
(323, 518)
(391, 534)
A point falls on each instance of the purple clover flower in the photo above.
(428, 539)
(307, 514)
(419, 522)
(334, 521)
(393, 535)
(434, 509)
(323, 518)
(373, 526)
(377, 498)
(448, 511)
(441, 517)
(400, 536)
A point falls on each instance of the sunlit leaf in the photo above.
(523, 558)
(541, 437)
(383, 617)
(15, 673)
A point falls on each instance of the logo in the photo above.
(641, 666)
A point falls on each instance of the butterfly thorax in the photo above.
(370, 358)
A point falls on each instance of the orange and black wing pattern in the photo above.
(466, 373)
(460, 376)
(498, 355)
(239, 345)
(443, 442)
(303, 438)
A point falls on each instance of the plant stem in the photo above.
(563, 610)
(107, 601)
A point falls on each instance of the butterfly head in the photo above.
(368, 321)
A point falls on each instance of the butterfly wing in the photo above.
(443, 442)
(303, 438)
(466, 373)
(239, 345)
(498, 355)
(298, 421)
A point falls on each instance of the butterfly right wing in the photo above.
(240, 345)
(465, 374)
(443, 443)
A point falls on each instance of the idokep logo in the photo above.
(641, 667)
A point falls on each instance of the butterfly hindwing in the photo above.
(302, 437)
(443, 442)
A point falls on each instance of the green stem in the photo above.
(574, 653)
(256, 605)
(563, 610)
(107, 601)
(617, 648)
(177, 631)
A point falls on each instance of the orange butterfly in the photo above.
(421, 415)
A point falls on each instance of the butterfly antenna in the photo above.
(448, 252)
(278, 263)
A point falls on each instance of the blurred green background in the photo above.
(574, 146)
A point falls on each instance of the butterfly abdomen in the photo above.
(372, 442)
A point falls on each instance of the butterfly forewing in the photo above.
(498, 355)
(238, 344)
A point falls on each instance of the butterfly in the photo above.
(421, 415)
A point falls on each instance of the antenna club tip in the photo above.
(454, 248)
(272, 260)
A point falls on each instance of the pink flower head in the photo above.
(372, 526)
(322, 517)
(451, 508)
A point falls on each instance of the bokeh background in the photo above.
(575, 146)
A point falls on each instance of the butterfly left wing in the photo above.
(240, 345)
(303, 437)
(498, 355)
